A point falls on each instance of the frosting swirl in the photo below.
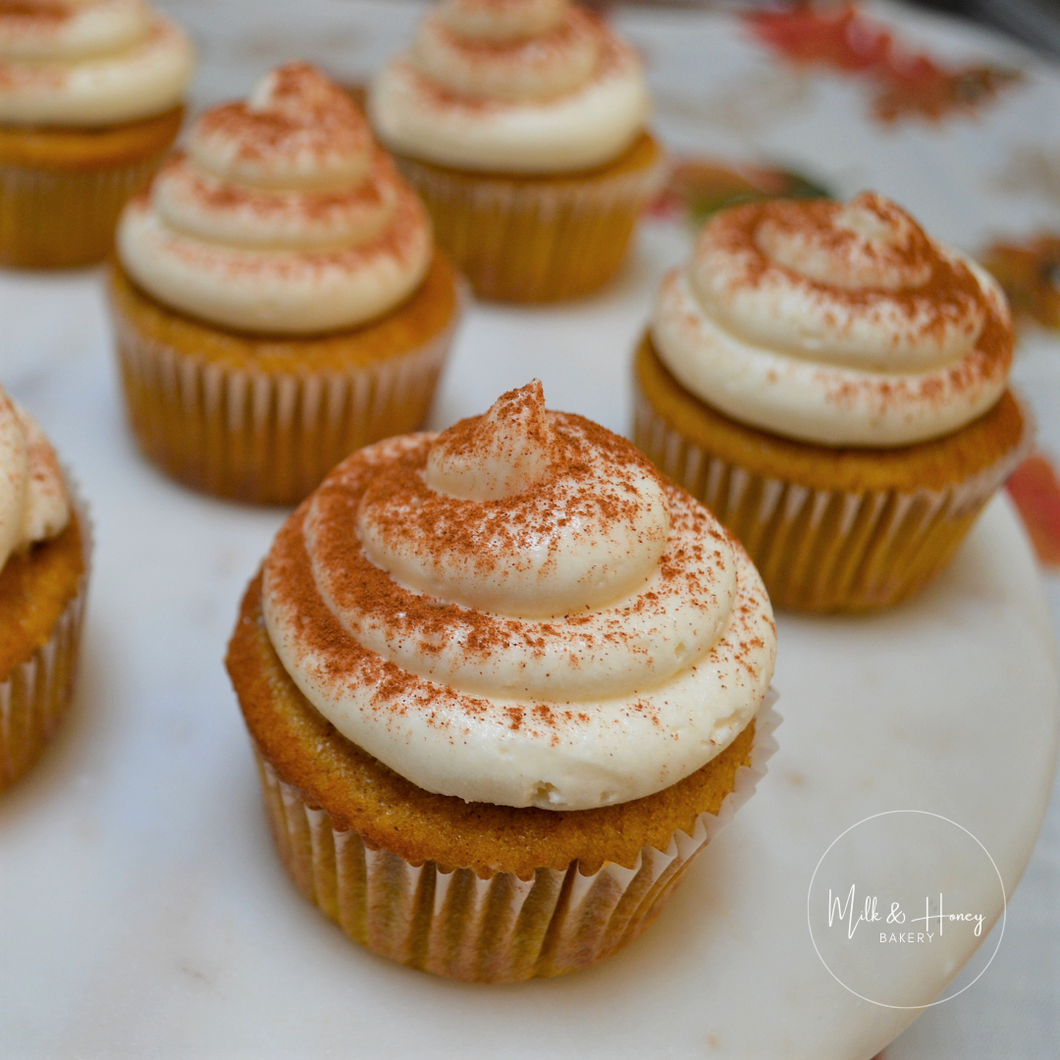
(512, 85)
(89, 62)
(33, 501)
(283, 216)
(840, 324)
(520, 611)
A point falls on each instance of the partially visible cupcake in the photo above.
(503, 684)
(44, 546)
(833, 384)
(91, 97)
(522, 125)
(278, 300)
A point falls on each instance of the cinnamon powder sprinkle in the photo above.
(532, 51)
(319, 206)
(614, 57)
(399, 241)
(944, 303)
(308, 116)
(323, 533)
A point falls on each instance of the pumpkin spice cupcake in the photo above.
(277, 299)
(90, 100)
(503, 684)
(522, 125)
(833, 384)
(44, 546)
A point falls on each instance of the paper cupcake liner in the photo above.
(533, 241)
(35, 697)
(501, 929)
(825, 550)
(267, 438)
(57, 218)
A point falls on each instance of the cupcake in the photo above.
(833, 384)
(277, 298)
(503, 684)
(522, 125)
(90, 100)
(44, 545)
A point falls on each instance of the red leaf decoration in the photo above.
(1035, 490)
(907, 82)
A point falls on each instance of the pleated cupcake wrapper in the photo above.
(526, 241)
(63, 218)
(501, 929)
(828, 550)
(35, 697)
(261, 437)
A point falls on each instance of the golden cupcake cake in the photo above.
(91, 98)
(44, 547)
(278, 300)
(503, 684)
(522, 123)
(833, 383)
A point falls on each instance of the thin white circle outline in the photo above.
(930, 1004)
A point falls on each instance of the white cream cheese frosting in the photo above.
(89, 62)
(834, 323)
(520, 611)
(283, 216)
(33, 501)
(526, 86)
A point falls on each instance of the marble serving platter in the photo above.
(143, 913)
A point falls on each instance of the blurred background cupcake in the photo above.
(91, 98)
(507, 668)
(833, 384)
(522, 125)
(44, 548)
(277, 300)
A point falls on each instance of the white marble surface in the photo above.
(142, 911)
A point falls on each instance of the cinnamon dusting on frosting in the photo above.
(557, 60)
(539, 86)
(283, 216)
(89, 62)
(932, 294)
(401, 241)
(494, 514)
(296, 114)
(859, 328)
(327, 206)
(614, 60)
(502, 20)
(389, 662)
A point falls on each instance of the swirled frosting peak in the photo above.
(296, 130)
(575, 533)
(33, 501)
(283, 216)
(523, 85)
(506, 452)
(501, 21)
(520, 611)
(835, 323)
(89, 62)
